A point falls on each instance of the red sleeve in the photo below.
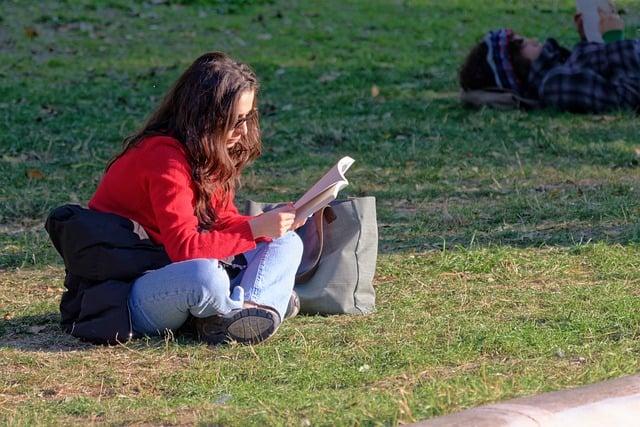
(171, 195)
(228, 213)
(229, 216)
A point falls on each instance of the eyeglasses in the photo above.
(244, 119)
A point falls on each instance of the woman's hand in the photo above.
(610, 22)
(275, 223)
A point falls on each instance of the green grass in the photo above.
(508, 240)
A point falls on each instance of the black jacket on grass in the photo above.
(103, 254)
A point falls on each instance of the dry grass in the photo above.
(509, 240)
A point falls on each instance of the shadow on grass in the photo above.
(558, 234)
(41, 332)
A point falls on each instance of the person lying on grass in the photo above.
(176, 177)
(591, 78)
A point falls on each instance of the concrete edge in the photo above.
(613, 402)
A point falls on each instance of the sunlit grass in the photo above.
(508, 240)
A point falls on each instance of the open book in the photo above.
(591, 18)
(324, 191)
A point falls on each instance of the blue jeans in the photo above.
(163, 299)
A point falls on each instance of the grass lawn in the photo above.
(509, 241)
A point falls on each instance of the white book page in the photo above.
(591, 17)
(325, 190)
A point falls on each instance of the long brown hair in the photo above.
(199, 111)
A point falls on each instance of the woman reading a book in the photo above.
(176, 177)
(593, 77)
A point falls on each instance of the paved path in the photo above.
(609, 403)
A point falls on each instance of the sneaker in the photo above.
(249, 325)
(293, 308)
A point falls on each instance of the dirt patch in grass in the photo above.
(22, 226)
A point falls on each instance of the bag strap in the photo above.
(329, 215)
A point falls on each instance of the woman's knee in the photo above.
(292, 242)
(209, 277)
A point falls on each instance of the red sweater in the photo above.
(151, 184)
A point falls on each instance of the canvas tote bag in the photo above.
(339, 257)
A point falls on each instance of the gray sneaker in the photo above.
(249, 325)
(293, 308)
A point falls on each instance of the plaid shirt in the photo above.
(592, 78)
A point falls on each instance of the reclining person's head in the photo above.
(501, 60)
